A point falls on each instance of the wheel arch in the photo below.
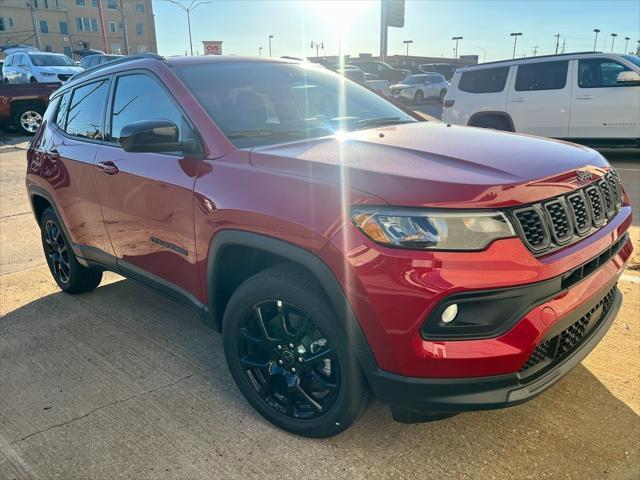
(229, 245)
(476, 118)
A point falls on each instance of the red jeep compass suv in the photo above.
(343, 246)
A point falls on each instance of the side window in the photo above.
(542, 76)
(486, 80)
(9, 61)
(599, 72)
(60, 118)
(140, 97)
(86, 110)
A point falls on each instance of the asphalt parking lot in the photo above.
(121, 383)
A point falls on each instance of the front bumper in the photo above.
(422, 395)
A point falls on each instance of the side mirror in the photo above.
(150, 136)
(628, 77)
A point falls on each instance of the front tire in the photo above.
(70, 276)
(289, 355)
(418, 97)
(28, 118)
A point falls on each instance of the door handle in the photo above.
(518, 100)
(584, 97)
(107, 167)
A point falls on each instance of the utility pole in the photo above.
(626, 45)
(613, 40)
(515, 42)
(105, 48)
(270, 37)
(192, 6)
(123, 21)
(36, 27)
(317, 46)
(259, 51)
(595, 40)
(456, 39)
(407, 43)
(557, 35)
(383, 30)
(535, 50)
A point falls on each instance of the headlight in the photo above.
(431, 229)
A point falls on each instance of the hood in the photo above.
(434, 164)
(403, 85)
(60, 70)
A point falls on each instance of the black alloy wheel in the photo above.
(57, 252)
(287, 360)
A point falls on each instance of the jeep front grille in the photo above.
(562, 220)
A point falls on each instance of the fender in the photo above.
(322, 273)
(498, 113)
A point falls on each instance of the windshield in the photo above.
(257, 104)
(414, 79)
(41, 60)
(633, 59)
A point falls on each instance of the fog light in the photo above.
(450, 313)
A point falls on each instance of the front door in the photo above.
(147, 198)
(540, 98)
(601, 107)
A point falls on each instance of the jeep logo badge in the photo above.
(583, 175)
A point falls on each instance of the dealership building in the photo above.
(65, 26)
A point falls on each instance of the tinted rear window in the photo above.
(542, 76)
(487, 80)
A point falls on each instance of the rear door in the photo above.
(77, 132)
(540, 98)
(147, 198)
(601, 107)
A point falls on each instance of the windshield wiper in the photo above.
(380, 122)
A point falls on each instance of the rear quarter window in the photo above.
(542, 76)
(486, 80)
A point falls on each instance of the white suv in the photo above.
(26, 66)
(589, 98)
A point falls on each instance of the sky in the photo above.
(245, 25)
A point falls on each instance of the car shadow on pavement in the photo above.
(121, 381)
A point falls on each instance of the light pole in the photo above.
(270, 37)
(317, 46)
(407, 43)
(456, 39)
(515, 42)
(192, 6)
(613, 40)
(626, 45)
(595, 40)
(259, 51)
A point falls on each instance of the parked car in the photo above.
(417, 88)
(22, 106)
(589, 98)
(445, 69)
(343, 246)
(93, 60)
(28, 66)
(381, 70)
(359, 76)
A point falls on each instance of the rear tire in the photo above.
(289, 355)
(70, 276)
(33, 80)
(496, 122)
(28, 118)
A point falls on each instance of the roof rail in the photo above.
(528, 58)
(138, 56)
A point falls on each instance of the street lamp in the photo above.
(192, 6)
(259, 51)
(407, 42)
(613, 40)
(595, 41)
(317, 46)
(270, 37)
(626, 45)
(456, 50)
(515, 41)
